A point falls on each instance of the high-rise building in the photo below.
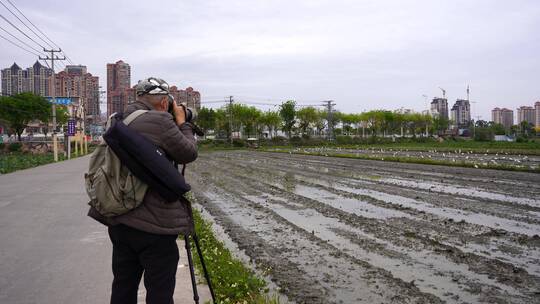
(461, 113)
(537, 114)
(526, 113)
(75, 81)
(118, 84)
(188, 96)
(439, 107)
(33, 79)
(503, 116)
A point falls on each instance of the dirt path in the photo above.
(332, 230)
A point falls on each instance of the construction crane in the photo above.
(443, 92)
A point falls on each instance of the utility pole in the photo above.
(52, 58)
(329, 118)
(230, 119)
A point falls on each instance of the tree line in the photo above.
(296, 120)
(18, 111)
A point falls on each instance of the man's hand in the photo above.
(179, 114)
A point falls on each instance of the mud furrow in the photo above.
(307, 259)
(489, 179)
(445, 231)
(505, 209)
(406, 249)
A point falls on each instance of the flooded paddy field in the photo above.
(335, 230)
(488, 158)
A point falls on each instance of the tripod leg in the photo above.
(191, 270)
(206, 276)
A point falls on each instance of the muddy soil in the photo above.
(455, 156)
(333, 230)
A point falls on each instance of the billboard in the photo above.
(61, 100)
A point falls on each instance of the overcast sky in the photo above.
(362, 54)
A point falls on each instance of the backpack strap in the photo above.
(131, 117)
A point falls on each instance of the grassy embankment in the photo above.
(232, 281)
(412, 160)
(529, 148)
(14, 161)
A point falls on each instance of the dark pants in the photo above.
(135, 252)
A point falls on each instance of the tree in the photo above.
(206, 119)
(62, 117)
(320, 122)
(498, 129)
(287, 112)
(271, 120)
(307, 118)
(483, 133)
(23, 108)
(440, 124)
(526, 128)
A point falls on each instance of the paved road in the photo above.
(50, 251)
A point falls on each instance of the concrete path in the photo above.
(50, 251)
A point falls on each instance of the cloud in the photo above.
(363, 54)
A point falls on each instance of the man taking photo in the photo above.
(144, 239)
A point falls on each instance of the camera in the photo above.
(191, 115)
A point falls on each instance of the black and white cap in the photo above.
(152, 86)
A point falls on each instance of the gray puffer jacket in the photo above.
(155, 215)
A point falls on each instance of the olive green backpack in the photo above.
(112, 189)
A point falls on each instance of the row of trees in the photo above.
(308, 121)
(18, 111)
(485, 130)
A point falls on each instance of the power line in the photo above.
(37, 28)
(19, 46)
(18, 29)
(24, 23)
(31, 47)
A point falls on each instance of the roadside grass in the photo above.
(15, 161)
(232, 281)
(413, 160)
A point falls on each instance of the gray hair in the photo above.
(154, 100)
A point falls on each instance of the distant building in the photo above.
(503, 116)
(461, 113)
(75, 81)
(188, 96)
(118, 84)
(537, 114)
(526, 113)
(34, 79)
(439, 107)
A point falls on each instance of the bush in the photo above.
(344, 140)
(15, 147)
(522, 139)
(2, 147)
(237, 142)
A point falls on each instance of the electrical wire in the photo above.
(37, 28)
(18, 29)
(24, 23)
(19, 46)
(31, 47)
(28, 27)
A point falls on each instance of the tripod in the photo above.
(193, 236)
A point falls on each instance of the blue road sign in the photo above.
(61, 100)
(71, 127)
